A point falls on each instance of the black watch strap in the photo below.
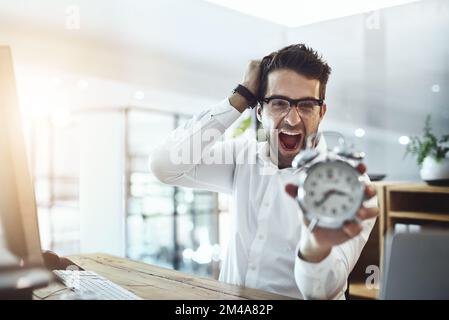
(248, 95)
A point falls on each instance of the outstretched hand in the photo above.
(320, 241)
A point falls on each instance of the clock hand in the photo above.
(327, 194)
(340, 193)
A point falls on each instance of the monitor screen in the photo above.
(7, 259)
(20, 232)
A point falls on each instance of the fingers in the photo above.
(291, 189)
(361, 168)
(255, 63)
(370, 191)
(367, 213)
(352, 229)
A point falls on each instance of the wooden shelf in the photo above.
(417, 202)
(358, 290)
(417, 187)
(427, 216)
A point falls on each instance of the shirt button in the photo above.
(252, 266)
(261, 237)
(266, 204)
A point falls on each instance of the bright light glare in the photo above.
(359, 132)
(435, 88)
(61, 117)
(404, 140)
(203, 254)
(82, 84)
(139, 95)
(55, 81)
(187, 254)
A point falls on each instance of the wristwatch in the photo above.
(248, 95)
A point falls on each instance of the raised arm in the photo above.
(193, 155)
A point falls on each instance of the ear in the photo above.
(259, 112)
(323, 111)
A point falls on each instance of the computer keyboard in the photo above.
(90, 284)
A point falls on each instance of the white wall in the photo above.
(384, 66)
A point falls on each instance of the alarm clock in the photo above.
(330, 188)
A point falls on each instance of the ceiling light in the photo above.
(359, 132)
(404, 140)
(435, 88)
(139, 95)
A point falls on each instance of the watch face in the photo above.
(332, 193)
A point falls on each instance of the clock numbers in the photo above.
(332, 191)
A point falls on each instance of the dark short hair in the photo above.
(297, 57)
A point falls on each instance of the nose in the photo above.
(293, 118)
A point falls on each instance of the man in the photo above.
(270, 247)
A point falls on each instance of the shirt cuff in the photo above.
(317, 270)
(313, 278)
(224, 113)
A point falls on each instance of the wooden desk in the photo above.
(151, 282)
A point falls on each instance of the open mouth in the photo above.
(290, 141)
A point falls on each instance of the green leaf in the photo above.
(428, 144)
(245, 124)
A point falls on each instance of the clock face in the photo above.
(332, 193)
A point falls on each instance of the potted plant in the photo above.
(431, 155)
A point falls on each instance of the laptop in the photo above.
(21, 263)
(416, 266)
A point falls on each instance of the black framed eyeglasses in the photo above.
(280, 104)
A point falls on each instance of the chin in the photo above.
(285, 161)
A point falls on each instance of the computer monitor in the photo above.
(18, 213)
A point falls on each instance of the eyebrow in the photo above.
(279, 96)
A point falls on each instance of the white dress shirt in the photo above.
(263, 247)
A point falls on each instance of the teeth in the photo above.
(290, 133)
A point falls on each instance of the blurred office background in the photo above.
(102, 82)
